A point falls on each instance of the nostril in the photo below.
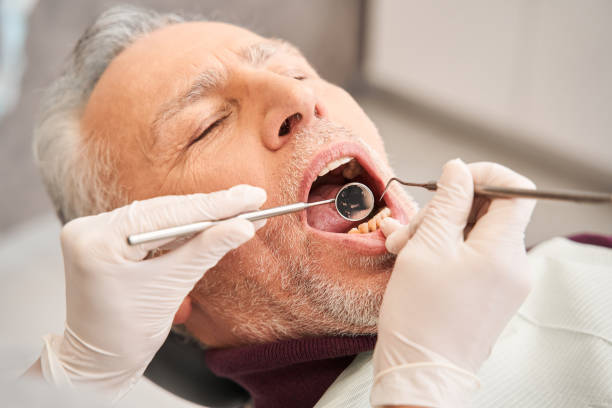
(285, 128)
(289, 123)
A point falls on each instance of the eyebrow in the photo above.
(258, 53)
(212, 79)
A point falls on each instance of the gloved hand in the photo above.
(450, 296)
(120, 306)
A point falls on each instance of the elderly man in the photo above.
(176, 114)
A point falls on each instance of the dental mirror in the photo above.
(354, 201)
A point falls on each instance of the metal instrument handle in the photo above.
(577, 196)
(511, 192)
(182, 230)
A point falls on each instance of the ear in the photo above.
(183, 312)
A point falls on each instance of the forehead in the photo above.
(155, 64)
(182, 47)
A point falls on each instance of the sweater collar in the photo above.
(291, 373)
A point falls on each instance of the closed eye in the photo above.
(208, 130)
(295, 74)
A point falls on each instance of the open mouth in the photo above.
(331, 169)
(329, 181)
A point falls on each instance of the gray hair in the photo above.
(77, 185)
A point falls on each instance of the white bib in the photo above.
(555, 352)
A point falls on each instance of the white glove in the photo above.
(119, 306)
(450, 297)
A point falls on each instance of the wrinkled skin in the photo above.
(270, 288)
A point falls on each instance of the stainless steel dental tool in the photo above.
(510, 192)
(354, 202)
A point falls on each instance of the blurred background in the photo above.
(526, 83)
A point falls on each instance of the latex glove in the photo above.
(450, 297)
(120, 306)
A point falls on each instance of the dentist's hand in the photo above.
(120, 306)
(460, 275)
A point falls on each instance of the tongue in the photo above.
(325, 217)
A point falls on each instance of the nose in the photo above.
(288, 105)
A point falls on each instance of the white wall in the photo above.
(541, 70)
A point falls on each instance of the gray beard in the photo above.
(318, 305)
(340, 308)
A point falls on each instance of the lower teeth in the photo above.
(373, 224)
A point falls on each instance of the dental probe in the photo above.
(511, 192)
(354, 202)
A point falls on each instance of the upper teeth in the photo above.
(333, 165)
(352, 170)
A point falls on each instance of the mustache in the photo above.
(307, 142)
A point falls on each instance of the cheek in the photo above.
(246, 268)
(232, 159)
(344, 110)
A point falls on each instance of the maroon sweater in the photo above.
(292, 373)
(296, 373)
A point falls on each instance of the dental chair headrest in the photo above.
(179, 368)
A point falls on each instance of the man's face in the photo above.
(200, 107)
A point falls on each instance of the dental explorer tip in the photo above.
(386, 188)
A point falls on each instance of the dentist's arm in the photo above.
(120, 306)
(451, 293)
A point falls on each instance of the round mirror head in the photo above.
(354, 201)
